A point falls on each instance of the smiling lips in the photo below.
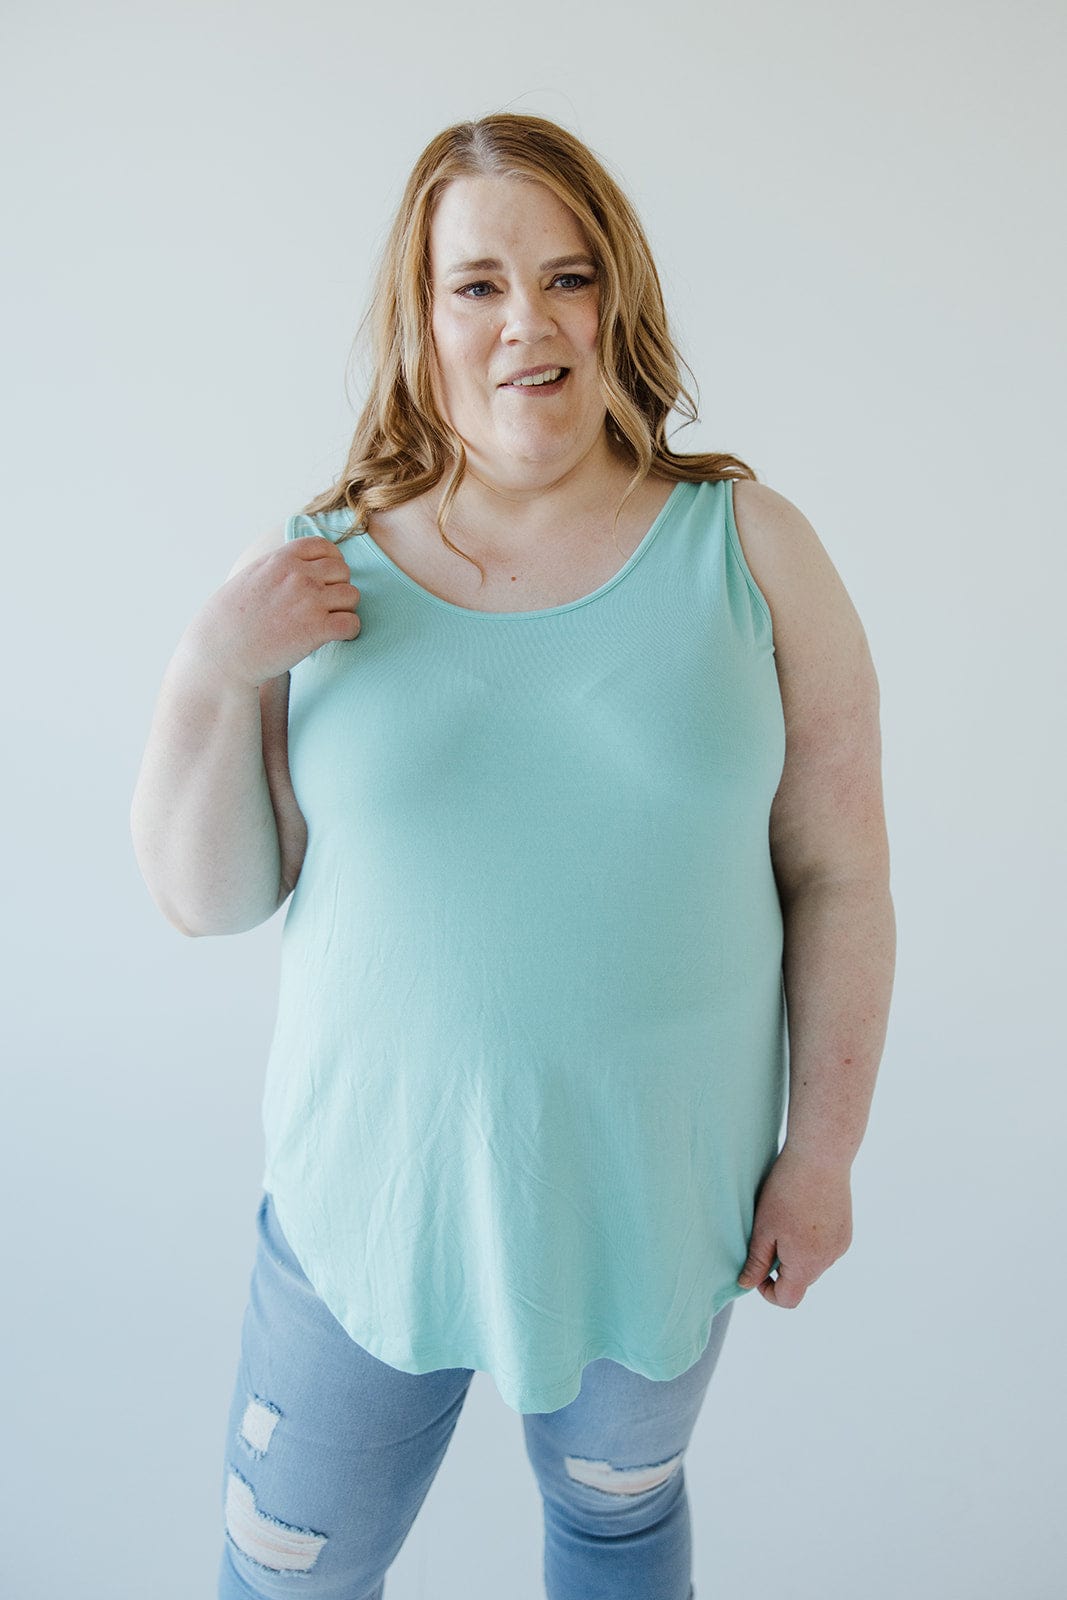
(540, 378)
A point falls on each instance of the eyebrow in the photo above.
(490, 264)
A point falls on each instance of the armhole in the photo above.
(734, 542)
(324, 524)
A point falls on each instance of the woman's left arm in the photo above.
(830, 852)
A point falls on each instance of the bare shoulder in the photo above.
(827, 816)
(259, 547)
(817, 630)
(787, 558)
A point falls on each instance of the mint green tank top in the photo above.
(529, 1061)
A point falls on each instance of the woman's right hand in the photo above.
(276, 610)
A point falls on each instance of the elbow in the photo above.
(162, 903)
(871, 886)
(250, 918)
(177, 922)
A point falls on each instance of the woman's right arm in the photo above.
(218, 853)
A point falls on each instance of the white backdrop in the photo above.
(857, 214)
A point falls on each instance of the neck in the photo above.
(503, 516)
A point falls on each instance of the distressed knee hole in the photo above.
(257, 1425)
(273, 1544)
(621, 1480)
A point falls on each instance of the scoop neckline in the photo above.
(664, 512)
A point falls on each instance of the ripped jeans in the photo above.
(330, 1453)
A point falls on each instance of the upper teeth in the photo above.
(541, 377)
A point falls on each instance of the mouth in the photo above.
(542, 383)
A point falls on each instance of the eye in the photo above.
(579, 281)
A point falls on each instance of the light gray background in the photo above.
(857, 214)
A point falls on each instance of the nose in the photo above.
(527, 317)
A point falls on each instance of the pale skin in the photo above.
(535, 509)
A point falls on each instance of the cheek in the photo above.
(446, 339)
(457, 352)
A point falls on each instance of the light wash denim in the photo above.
(330, 1453)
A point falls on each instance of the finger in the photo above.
(786, 1289)
(341, 596)
(342, 576)
(759, 1262)
(313, 546)
(316, 549)
(785, 1300)
(334, 571)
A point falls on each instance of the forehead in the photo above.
(492, 216)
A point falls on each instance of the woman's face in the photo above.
(531, 299)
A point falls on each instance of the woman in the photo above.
(572, 799)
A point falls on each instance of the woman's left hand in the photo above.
(804, 1217)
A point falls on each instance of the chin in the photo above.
(543, 450)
